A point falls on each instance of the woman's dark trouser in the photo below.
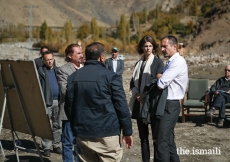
(143, 134)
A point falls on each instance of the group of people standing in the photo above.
(156, 94)
(91, 104)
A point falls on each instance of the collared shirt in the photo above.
(175, 77)
(114, 65)
(76, 68)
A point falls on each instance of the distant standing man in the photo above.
(50, 89)
(39, 61)
(74, 57)
(114, 63)
(221, 91)
(97, 109)
(175, 77)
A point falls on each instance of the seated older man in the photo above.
(220, 89)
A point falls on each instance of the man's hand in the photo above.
(127, 141)
(216, 93)
(140, 97)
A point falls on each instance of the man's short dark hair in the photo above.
(94, 50)
(46, 53)
(69, 50)
(43, 47)
(172, 40)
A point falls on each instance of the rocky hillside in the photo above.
(211, 38)
(56, 12)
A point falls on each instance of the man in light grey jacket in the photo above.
(74, 57)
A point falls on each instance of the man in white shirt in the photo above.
(114, 63)
(175, 77)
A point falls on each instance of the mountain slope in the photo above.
(56, 12)
(212, 34)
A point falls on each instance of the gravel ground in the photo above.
(193, 138)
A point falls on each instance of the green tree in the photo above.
(67, 32)
(128, 32)
(103, 33)
(50, 37)
(145, 11)
(139, 33)
(122, 30)
(162, 32)
(83, 31)
(94, 29)
(136, 22)
(43, 29)
(157, 11)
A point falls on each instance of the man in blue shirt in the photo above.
(50, 89)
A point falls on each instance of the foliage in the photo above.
(14, 33)
(134, 21)
(122, 30)
(94, 29)
(43, 29)
(127, 33)
(205, 9)
(67, 32)
(166, 25)
(154, 14)
(83, 31)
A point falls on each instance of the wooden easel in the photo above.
(17, 111)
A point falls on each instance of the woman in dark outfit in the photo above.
(149, 67)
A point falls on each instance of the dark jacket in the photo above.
(155, 102)
(120, 65)
(45, 84)
(96, 104)
(220, 84)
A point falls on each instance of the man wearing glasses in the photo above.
(50, 89)
(220, 89)
(114, 63)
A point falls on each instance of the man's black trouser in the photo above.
(219, 102)
(165, 144)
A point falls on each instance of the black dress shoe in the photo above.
(46, 153)
(57, 150)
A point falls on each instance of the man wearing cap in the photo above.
(114, 63)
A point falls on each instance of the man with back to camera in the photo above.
(220, 89)
(114, 63)
(74, 57)
(97, 109)
(175, 77)
(50, 89)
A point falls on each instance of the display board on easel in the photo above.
(25, 106)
